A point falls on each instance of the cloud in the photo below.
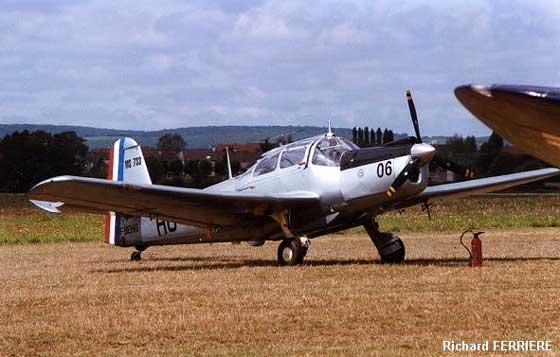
(147, 65)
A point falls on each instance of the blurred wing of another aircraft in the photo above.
(527, 116)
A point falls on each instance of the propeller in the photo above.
(410, 172)
(413, 115)
(422, 154)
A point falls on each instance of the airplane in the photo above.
(292, 194)
(527, 116)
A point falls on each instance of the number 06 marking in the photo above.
(384, 169)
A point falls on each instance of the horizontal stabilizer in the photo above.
(51, 207)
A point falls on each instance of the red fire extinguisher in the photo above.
(475, 253)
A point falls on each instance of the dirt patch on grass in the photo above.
(88, 298)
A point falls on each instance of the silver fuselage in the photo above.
(347, 195)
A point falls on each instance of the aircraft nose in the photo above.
(424, 152)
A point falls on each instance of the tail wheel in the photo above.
(291, 252)
(136, 256)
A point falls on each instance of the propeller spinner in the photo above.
(422, 154)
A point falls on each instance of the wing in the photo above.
(527, 116)
(200, 208)
(472, 187)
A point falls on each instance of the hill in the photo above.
(196, 137)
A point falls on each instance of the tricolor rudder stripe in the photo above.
(113, 228)
(116, 158)
(115, 172)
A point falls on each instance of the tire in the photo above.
(396, 256)
(136, 256)
(290, 252)
(304, 250)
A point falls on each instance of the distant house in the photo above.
(245, 154)
(95, 155)
(199, 154)
(439, 175)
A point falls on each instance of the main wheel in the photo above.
(394, 253)
(136, 256)
(389, 246)
(290, 252)
(304, 250)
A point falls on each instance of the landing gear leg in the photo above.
(389, 245)
(137, 255)
(292, 251)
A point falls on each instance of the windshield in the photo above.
(328, 152)
(266, 165)
(293, 156)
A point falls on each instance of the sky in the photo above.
(166, 64)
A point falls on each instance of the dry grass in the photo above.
(87, 298)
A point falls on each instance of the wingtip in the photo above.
(466, 90)
(47, 181)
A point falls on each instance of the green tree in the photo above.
(489, 152)
(30, 157)
(176, 167)
(171, 143)
(385, 136)
(378, 136)
(495, 143)
(455, 144)
(220, 167)
(156, 168)
(360, 142)
(366, 137)
(470, 144)
(192, 168)
(204, 168)
(285, 139)
(390, 136)
(266, 145)
(98, 169)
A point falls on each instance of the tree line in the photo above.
(488, 159)
(173, 169)
(366, 137)
(27, 158)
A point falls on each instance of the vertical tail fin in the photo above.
(126, 164)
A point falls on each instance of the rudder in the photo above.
(126, 164)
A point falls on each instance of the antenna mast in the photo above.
(329, 133)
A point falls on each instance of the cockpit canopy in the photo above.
(328, 151)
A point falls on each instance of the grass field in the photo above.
(21, 222)
(88, 298)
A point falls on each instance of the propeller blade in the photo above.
(413, 115)
(453, 167)
(410, 172)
